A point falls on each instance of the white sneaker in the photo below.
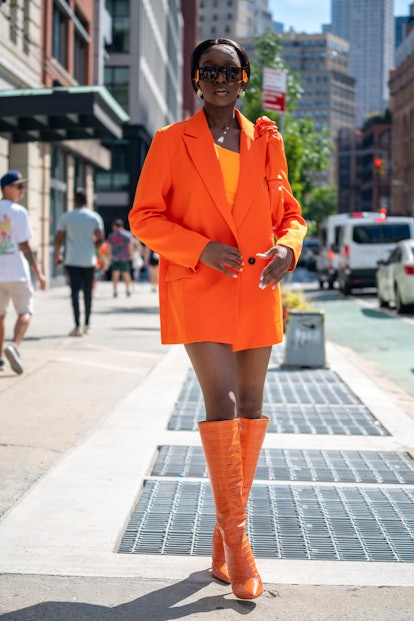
(76, 332)
(14, 359)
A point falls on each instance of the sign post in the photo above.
(274, 90)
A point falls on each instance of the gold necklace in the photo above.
(221, 138)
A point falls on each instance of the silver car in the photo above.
(395, 278)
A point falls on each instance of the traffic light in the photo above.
(379, 170)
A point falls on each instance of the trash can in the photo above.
(305, 340)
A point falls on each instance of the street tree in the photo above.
(307, 150)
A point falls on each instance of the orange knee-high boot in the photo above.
(252, 434)
(222, 450)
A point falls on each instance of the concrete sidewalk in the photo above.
(80, 433)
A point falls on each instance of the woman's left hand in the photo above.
(281, 260)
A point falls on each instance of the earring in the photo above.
(242, 93)
(199, 93)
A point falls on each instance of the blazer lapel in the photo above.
(200, 146)
(252, 167)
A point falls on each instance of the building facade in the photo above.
(84, 85)
(364, 167)
(369, 27)
(402, 110)
(328, 89)
(144, 73)
(403, 25)
(54, 115)
(233, 19)
(376, 164)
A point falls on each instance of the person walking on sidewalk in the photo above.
(151, 260)
(81, 231)
(120, 252)
(214, 201)
(16, 260)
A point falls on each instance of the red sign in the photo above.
(274, 89)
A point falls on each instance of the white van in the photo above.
(328, 257)
(365, 241)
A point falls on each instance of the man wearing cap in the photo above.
(16, 259)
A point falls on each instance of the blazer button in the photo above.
(252, 260)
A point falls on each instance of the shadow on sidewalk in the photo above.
(162, 605)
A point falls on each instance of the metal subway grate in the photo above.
(328, 466)
(299, 386)
(312, 402)
(284, 522)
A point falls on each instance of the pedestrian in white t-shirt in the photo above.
(16, 260)
(81, 231)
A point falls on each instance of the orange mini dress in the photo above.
(230, 168)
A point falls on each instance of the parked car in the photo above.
(395, 277)
(310, 249)
(365, 241)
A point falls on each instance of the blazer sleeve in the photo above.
(150, 219)
(288, 224)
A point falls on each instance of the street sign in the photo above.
(274, 89)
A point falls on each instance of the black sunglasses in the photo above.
(230, 74)
(19, 186)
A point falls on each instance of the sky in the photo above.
(309, 15)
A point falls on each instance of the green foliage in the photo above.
(307, 150)
(293, 300)
(322, 202)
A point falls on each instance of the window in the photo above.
(117, 178)
(380, 233)
(58, 190)
(119, 11)
(59, 36)
(116, 80)
(79, 176)
(79, 59)
(26, 26)
(13, 21)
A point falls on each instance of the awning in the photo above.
(51, 114)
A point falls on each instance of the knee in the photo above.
(249, 406)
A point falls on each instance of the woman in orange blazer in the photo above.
(214, 201)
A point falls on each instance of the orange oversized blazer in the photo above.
(180, 206)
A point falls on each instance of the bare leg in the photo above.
(126, 276)
(225, 376)
(232, 384)
(153, 270)
(251, 369)
(2, 333)
(20, 328)
(115, 279)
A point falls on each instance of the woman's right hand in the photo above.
(225, 259)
